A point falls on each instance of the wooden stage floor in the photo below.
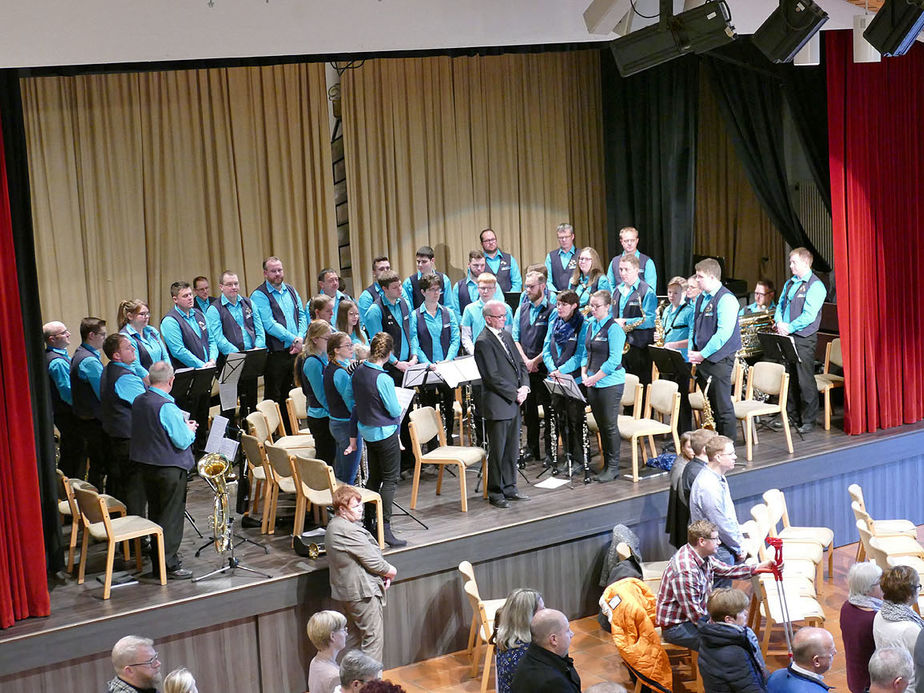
(76, 606)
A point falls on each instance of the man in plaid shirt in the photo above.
(687, 582)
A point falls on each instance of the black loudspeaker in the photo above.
(788, 28)
(895, 26)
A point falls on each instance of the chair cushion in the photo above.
(754, 408)
(64, 508)
(827, 381)
(797, 550)
(895, 527)
(898, 544)
(302, 444)
(464, 454)
(642, 427)
(258, 473)
(287, 484)
(821, 535)
(124, 528)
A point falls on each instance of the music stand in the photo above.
(255, 364)
(670, 362)
(512, 299)
(781, 348)
(191, 383)
(568, 388)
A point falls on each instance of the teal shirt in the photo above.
(726, 319)
(344, 386)
(612, 367)
(649, 305)
(91, 370)
(562, 257)
(217, 333)
(288, 301)
(313, 370)
(128, 386)
(374, 325)
(60, 372)
(534, 311)
(650, 275)
(386, 390)
(678, 323)
(434, 324)
(583, 288)
(153, 344)
(174, 339)
(473, 323)
(516, 279)
(814, 300)
(572, 364)
(171, 418)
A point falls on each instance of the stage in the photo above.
(244, 633)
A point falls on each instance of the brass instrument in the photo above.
(749, 327)
(627, 328)
(214, 468)
(708, 418)
(659, 326)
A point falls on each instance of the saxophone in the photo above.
(214, 469)
(659, 326)
(627, 328)
(708, 419)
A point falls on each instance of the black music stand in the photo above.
(254, 364)
(670, 362)
(191, 383)
(781, 348)
(512, 299)
(568, 388)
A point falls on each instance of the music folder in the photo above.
(669, 361)
(565, 386)
(420, 375)
(778, 347)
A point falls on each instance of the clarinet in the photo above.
(586, 450)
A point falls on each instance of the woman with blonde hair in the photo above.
(588, 277)
(512, 635)
(134, 317)
(327, 631)
(180, 681)
(309, 374)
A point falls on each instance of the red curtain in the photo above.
(875, 111)
(23, 586)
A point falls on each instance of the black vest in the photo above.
(797, 305)
(598, 347)
(116, 412)
(633, 309)
(370, 410)
(230, 327)
(503, 271)
(417, 295)
(272, 343)
(462, 294)
(306, 385)
(198, 344)
(533, 336)
(86, 403)
(391, 327)
(705, 323)
(335, 404)
(58, 405)
(561, 276)
(150, 443)
(143, 356)
(559, 357)
(423, 333)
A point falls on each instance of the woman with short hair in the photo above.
(857, 616)
(327, 631)
(897, 624)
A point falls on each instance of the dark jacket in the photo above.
(728, 660)
(502, 373)
(541, 671)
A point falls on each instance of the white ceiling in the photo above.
(37, 33)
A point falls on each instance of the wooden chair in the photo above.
(424, 426)
(68, 508)
(676, 654)
(259, 428)
(297, 410)
(485, 633)
(798, 576)
(771, 379)
(651, 570)
(316, 481)
(878, 528)
(826, 380)
(881, 549)
(696, 397)
(809, 610)
(261, 478)
(284, 482)
(631, 399)
(101, 527)
(460, 416)
(663, 400)
(490, 609)
(777, 511)
(801, 558)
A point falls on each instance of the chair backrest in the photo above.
(67, 488)
(296, 408)
(873, 550)
(279, 460)
(632, 395)
(484, 625)
(856, 495)
(766, 377)
(662, 398)
(92, 508)
(761, 515)
(737, 381)
(253, 451)
(468, 575)
(315, 478)
(860, 514)
(776, 509)
(256, 425)
(270, 409)
(753, 537)
(426, 425)
(833, 354)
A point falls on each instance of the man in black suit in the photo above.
(505, 385)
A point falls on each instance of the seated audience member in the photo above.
(180, 681)
(357, 669)
(606, 687)
(136, 665)
(897, 624)
(546, 666)
(730, 660)
(687, 582)
(890, 669)
(857, 616)
(381, 687)
(678, 509)
(327, 631)
(812, 655)
(512, 635)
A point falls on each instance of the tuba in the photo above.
(214, 468)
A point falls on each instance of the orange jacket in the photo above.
(630, 605)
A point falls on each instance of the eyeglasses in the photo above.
(148, 663)
(502, 315)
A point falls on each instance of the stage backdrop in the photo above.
(142, 179)
(439, 148)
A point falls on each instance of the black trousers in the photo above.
(720, 393)
(569, 424)
(637, 361)
(165, 488)
(278, 379)
(404, 433)
(605, 405)
(802, 406)
(503, 451)
(443, 396)
(538, 395)
(685, 422)
(126, 483)
(325, 447)
(384, 470)
(72, 459)
(95, 443)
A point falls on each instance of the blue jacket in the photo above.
(730, 660)
(789, 681)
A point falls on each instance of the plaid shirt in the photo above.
(117, 685)
(686, 584)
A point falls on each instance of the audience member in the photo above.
(357, 669)
(381, 687)
(512, 634)
(857, 615)
(606, 687)
(730, 660)
(812, 655)
(546, 666)
(678, 509)
(890, 670)
(897, 624)
(327, 631)
(136, 665)
(180, 681)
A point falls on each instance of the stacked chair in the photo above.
(481, 633)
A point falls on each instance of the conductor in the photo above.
(504, 388)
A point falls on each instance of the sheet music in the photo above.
(228, 379)
(567, 385)
(216, 434)
(405, 396)
(228, 448)
(415, 376)
(460, 370)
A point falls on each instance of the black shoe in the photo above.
(608, 474)
(249, 522)
(179, 574)
(776, 424)
(500, 502)
(391, 539)
(517, 497)
(806, 428)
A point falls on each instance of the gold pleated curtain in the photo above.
(730, 221)
(439, 148)
(139, 180)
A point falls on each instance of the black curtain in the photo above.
(14, 139)
(750, 96)
(649, 130)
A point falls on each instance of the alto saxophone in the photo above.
(708, 419)
(659, 326)
(627, 328)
